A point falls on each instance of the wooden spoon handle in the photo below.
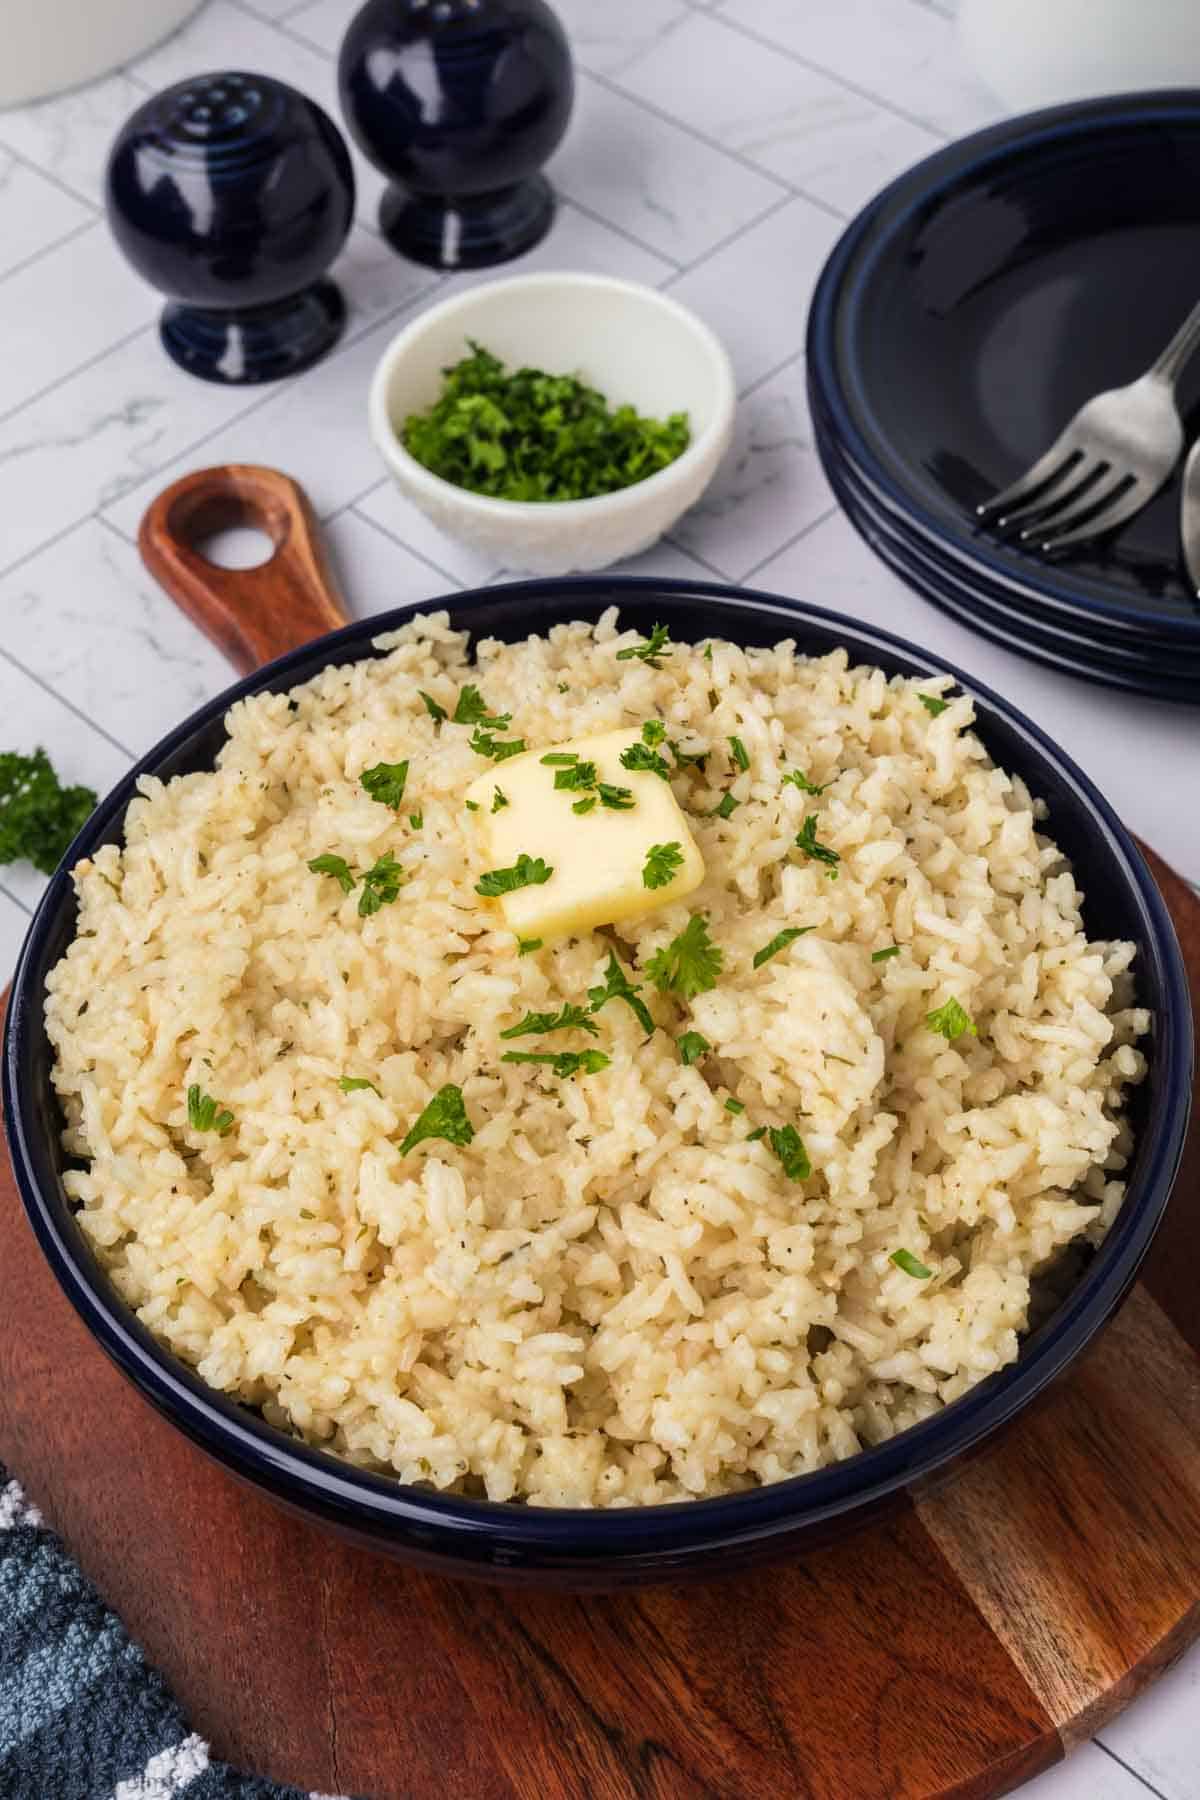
(253, 615)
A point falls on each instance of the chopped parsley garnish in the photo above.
(951, 1020)
(687, 759)
(708, 651)
(651, 649)
(565, 1064)
(207, 1114)
(663, 861)
(338, 867)
(499, 800)
(584, 806)
(806, 840)
(885, 955)
(437, 713)
(653, 732)
(386, 782)
(739, 753)
(526, 946)
(472, 709)
(416, 820)
(525, 434)
(734, 1106)
(571, 1018)
(445, 1117)
(471, 805)
(560, 759)
(788, 1146)
(350, 1084)
(752, 1137)
(380, 885)
(617, 986)
(798, 779)
(527, 871)
(641, 756)
(934, 707)
(689, 964)
(726, 809)
(499, 749)
(779, 943)
(620, 799)
(692, 1046)
(904, 1259)
(38, 816)
(577, 778)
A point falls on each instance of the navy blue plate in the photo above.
(547, 1545)
(1162, 672)
(982, 298)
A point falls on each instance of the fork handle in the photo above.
(1178, 353)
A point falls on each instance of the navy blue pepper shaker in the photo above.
(232, 194)
(459, 102)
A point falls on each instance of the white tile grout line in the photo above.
(794, 539)
(1128, 1768)
(853, 87)
(70, 705)
(57, 243)
(79, 369)
(639, 243)
(9, 895)
(732, 238)
(55, 180)
(383, 531)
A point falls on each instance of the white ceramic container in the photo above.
(634, 344)
(1037, 52)
(50, 45)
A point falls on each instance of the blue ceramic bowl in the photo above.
(980, 299)
(555, 1546)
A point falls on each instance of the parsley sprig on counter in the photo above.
(38, 816)
(524, 434)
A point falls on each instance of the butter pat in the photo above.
(598, 857)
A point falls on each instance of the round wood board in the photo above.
(957, 1649)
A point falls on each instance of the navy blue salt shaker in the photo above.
(459, 103)
(232, 194)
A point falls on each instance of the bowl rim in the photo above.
(571, 513)
(835, 373)
(527, 1536)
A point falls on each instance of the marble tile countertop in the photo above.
(716, 151)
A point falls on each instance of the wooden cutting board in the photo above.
(957, 1649)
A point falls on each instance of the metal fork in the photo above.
(1110, 461)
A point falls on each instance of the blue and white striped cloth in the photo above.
(82, 1716)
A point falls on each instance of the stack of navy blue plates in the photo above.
(961, 321)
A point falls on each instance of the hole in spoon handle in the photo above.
(257, 614)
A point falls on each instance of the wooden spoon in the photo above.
(253, 615)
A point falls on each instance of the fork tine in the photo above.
(1124, 506)
(1106, 486)
(1062, 493)
(1046, 467)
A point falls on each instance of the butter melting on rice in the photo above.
(612, 1296)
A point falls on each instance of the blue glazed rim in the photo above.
(638, 1543)
(954, 594)
(839, 296)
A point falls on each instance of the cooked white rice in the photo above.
(612, 1295)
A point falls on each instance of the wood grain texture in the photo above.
(253, 615)
(949, 1653)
